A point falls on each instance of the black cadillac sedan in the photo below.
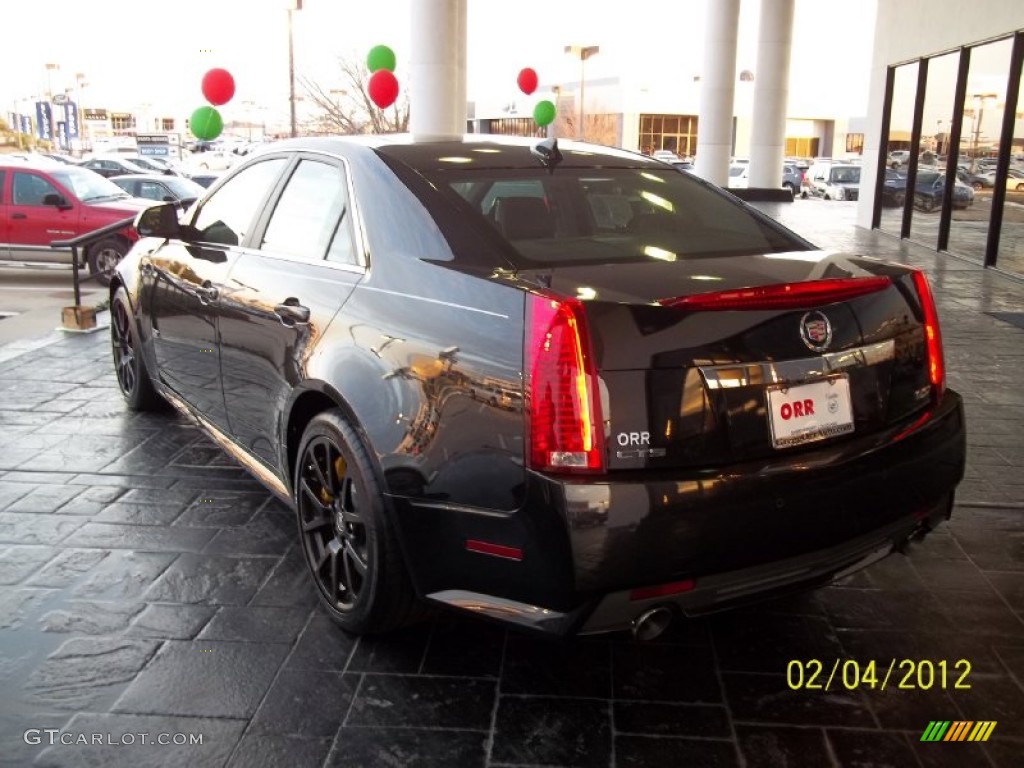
(561, 386)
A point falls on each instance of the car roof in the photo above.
(140, 177)
(479, 151)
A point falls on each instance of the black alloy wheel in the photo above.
(346, 539)
(132, 375)
(333, 526)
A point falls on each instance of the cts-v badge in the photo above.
(816, 331)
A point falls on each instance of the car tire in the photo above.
(1020, 187)
(791, 187)
(129, 367)
(977, 186)
(347, 540)
(104, 256)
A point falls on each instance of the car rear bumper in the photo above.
(731, 535)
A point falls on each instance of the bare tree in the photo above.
(348, 109)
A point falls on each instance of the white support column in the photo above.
(718, 87)
(771, 93)
(460, 79)
(437, 79)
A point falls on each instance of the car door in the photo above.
(183, 281)
(281, 297)
(34, 219)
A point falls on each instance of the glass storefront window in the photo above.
(898, 146)
(979, 146)
(929, 186)
(676, 133)
(1011, 240)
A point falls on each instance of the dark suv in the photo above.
(41, 204)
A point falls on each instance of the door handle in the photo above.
(207, 292)
(291, 312)
(18, 216)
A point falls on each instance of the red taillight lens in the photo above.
(814, 293)
(563, 409)
(932, 337)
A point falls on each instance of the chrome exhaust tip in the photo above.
(650, 624)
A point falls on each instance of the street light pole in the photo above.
(50, 67)
(584, 52)
(295, 6)
(82, 126)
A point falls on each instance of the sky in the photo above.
(135, 53)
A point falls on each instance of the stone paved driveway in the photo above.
(149, 587)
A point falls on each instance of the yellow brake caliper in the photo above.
(339, 473)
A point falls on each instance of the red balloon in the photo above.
(527, 80)
(383, 88)
(218, 86)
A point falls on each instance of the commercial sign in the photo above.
(44, 119)
(94, 114)
(26, 123)
(153, 144)
(71, 120)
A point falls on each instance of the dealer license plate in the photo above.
(808, 412)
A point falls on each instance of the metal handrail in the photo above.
(85, 239)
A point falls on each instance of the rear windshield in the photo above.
(846, 175)
(608, 215)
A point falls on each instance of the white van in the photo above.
(833, 181)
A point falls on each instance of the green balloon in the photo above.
(206, 123)
(544, 112)
(380, 57)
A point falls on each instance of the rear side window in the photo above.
(227, 215)
(599, 216)
(311, 218)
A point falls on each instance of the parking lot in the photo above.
(152, 591)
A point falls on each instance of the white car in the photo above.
(212, 160)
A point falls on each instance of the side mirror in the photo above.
(159, 221)
(57, 201)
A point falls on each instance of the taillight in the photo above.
(932, 337)
(563, 401)
(813, 293)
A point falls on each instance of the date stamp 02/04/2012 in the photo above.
(901, 674)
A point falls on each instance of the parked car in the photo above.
(833, 181)
(977, 181)
(929, 187)
(40, 204)
(211, 160)
(112, 165)
(172, 189)
(894, 188)
(1015, 180)
(686, 166)
(204, 179)
(792, 178)
(899, 158)
(739, 177)
(693, 406)
(150, 164)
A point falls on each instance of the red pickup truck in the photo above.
(42, 203)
